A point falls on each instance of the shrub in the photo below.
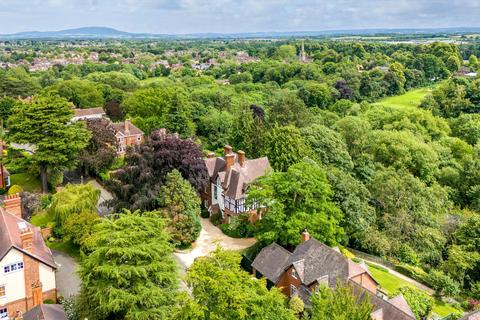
(79, 227)
(442, 283)
(216, 219)
(296, 305)
(239, 227)
(475, 290)
(204, 213)
(419, 301)
(406, 254)
(71, 200)
(15, 189)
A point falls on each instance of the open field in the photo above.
(412, 98)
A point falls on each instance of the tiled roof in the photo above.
(46, 312)
(236, 180)
(88, 112)
(10, 238)
(475, 315)
(120, 127)
(383, 309)
(272, 261)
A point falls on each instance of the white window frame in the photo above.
(3, 313)
(294, 273)
(17, 265)
(293, 290)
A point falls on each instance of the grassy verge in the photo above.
(28, 182)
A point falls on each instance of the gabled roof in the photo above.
(88, 112)
(46, 312)
(383, 309)
(311, 259)
(120, 128)
(272, 261)
(320, 260)
(236, 180)
(10, 238)
(402, 304)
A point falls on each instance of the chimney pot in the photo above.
(305, 236)
(227, 150)
(241, 157)
(211, 155)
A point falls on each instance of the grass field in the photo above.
(390, 283)
(412, 98)
(67, 247)
(28, 182)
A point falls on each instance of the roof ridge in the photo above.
(388, 301)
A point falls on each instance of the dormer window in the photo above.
(294, 273)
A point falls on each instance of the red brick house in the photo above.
(230, 176)
(27, 268)
(127, 135)
(312, 264)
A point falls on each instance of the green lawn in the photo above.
(390, 283)
(28, 182)
(64, 246)
(412, 98)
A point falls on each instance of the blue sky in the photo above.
(228, 16)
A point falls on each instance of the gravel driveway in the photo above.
(211, 237)
(68, 282)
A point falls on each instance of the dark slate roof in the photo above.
(46, 312)
(318, 260)
(393, 309)
(10, 238)
(236, 180)
(272, 261)
(475, 315)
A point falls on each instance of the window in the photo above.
(13, 267)
(294, 273)
(293, 290)
(2, 291)
(139, 138)
(3, 313)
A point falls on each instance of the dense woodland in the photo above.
(394, 181)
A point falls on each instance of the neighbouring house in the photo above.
(46, 312)
(27, 268)
(5, 178)
(230, 176)
(475, 315)
(88, 114)
(312, 264)
(127, 135)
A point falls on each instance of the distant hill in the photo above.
(110, 33)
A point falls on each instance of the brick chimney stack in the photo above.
(305, 236)
(241, 157)
(230, 159)
(127, 126)
(27, 239)
(227, 150)
(210, 155)
(13, 204)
